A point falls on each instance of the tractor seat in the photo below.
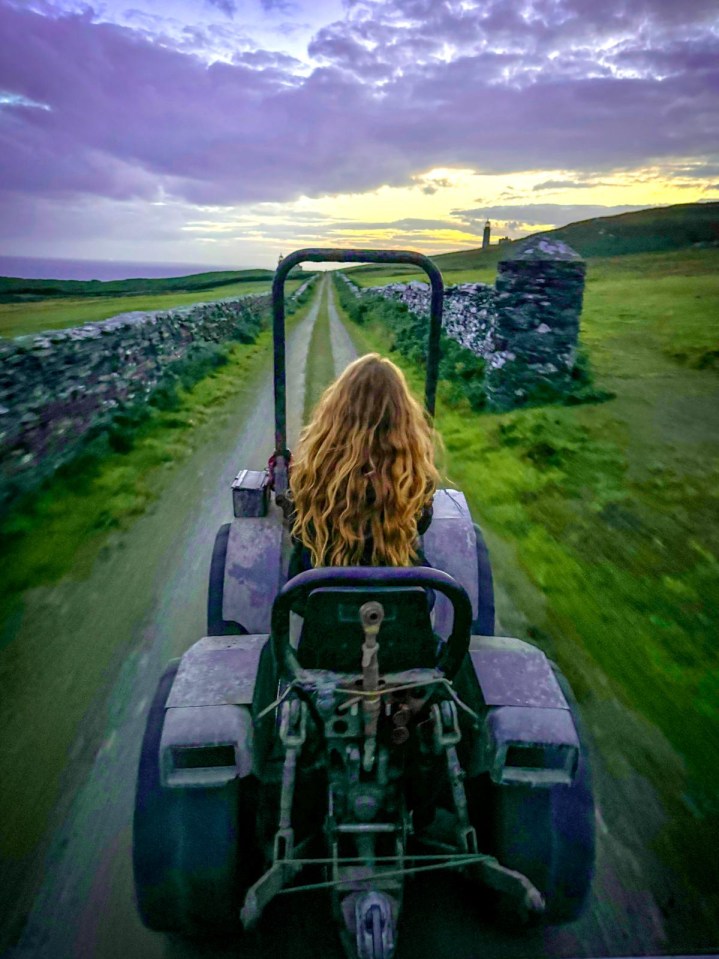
(332, 634)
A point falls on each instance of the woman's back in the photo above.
(363, 478)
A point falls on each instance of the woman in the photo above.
(363, 478)
(361, 486)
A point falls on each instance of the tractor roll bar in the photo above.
(368, 578)
(322, 255)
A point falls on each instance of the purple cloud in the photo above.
(281, 6)
(404, 86)
(228, 7)
(539, 214)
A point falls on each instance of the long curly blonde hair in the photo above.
(364, 469)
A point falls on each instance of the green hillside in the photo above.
(656, 230)
(13, 289)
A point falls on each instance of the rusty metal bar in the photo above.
(325, 255)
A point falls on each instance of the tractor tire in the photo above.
(484, 623)
(216, 625)
(192, 849)
(548, 833)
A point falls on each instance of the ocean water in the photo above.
(38, 268)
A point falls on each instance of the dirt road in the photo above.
(146, 597)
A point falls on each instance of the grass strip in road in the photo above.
(320, 365)
(59, 530)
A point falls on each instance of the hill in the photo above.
(658, 229)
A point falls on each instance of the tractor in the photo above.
(374, 737)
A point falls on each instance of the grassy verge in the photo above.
(602, 521)
(320, 367)
(19, 319)
(61, 528)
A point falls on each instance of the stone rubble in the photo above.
(55, 386)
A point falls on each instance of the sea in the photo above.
(38, 268)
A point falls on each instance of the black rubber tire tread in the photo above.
(190, 864)
(208, 854)
(549, 833)
(484, 623)
(216, 625)
(156, 891)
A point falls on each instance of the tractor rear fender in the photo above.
(528, 735)
(207, 734)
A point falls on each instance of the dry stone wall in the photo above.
(56, 386)
(469, 310)
(539, 295)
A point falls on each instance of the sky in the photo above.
(228, 132)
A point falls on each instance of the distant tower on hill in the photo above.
(280, 259)
(485, 237)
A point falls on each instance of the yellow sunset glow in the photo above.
(443, 209)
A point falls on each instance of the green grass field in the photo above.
(43, 288)
(37, 316)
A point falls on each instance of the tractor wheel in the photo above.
(547, 833)
(216, 625)
(192, 848)
(484, 623)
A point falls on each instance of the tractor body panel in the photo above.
(514, 673)
(205, 746)
(450, 545)
(218, 671)
(255, 569)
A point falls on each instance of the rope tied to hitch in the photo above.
(357, 695)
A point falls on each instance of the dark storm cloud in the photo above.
(403, 225)
(228, 7)
(282, 6)
(564, 185)
(700, 170)
(403, 86)
(540, 214)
